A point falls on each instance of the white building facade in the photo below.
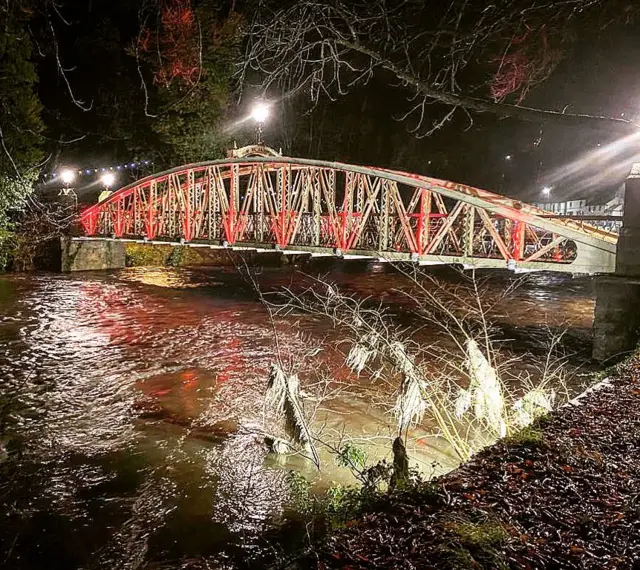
(584, 207)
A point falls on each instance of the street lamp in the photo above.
(108, 179)
(260, 113)
(67, 176)
(546, 190)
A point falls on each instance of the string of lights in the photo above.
(119, 167)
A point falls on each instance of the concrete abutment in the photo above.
(89, 255)
(616, 326)
(94, 254)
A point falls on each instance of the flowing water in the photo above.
(132, 407)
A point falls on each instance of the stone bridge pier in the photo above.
(616, 325)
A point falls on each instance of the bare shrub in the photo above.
(464, 382)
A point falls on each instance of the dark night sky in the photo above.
(600, 76)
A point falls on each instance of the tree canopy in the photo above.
(20, 111)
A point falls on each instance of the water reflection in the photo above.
(132, 407)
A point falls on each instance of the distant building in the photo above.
(612, 205)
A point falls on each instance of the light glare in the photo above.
(108, 179)
(546, 190)
(67, 176)
(260, 112)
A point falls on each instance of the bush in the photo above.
(337, 507)
(301, 497)
(7, 248)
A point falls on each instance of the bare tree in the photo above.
(454, 52)
(472, 390)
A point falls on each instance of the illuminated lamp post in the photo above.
(260, 113)
(108, 179)
(68, 176)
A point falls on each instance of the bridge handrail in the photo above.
(500, 205)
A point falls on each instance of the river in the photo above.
(132, 406)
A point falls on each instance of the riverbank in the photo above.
(565, 493)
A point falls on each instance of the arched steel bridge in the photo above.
(302, 205)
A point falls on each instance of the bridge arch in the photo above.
(320, 206)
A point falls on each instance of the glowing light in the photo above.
(67, 176)
(260, 112)
(546, 190)
(508, 157)
(108, 179)
(598, 167)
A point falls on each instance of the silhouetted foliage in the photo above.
(20, 122)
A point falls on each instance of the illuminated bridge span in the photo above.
(300, 205)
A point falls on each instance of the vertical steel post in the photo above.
(313, 179)
(423, 220)
(383, 236)
(469, 223)
(284, 199)
(151, 211)
(188, 208)
(170, 207)
(234, 204)
(517, 239)
(258, 196)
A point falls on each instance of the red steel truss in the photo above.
(300, 203)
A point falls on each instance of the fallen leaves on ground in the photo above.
(569, 502)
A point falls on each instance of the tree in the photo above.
(124, 80)
(464, 55)
(192, 55)
(20, 122)
(88, 85)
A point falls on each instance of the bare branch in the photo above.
(436, 52)
(63, 72)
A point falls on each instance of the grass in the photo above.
(456, 558)
(529, 436)
(481, 535)
(474, 545)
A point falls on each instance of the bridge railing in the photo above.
(297, 202)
